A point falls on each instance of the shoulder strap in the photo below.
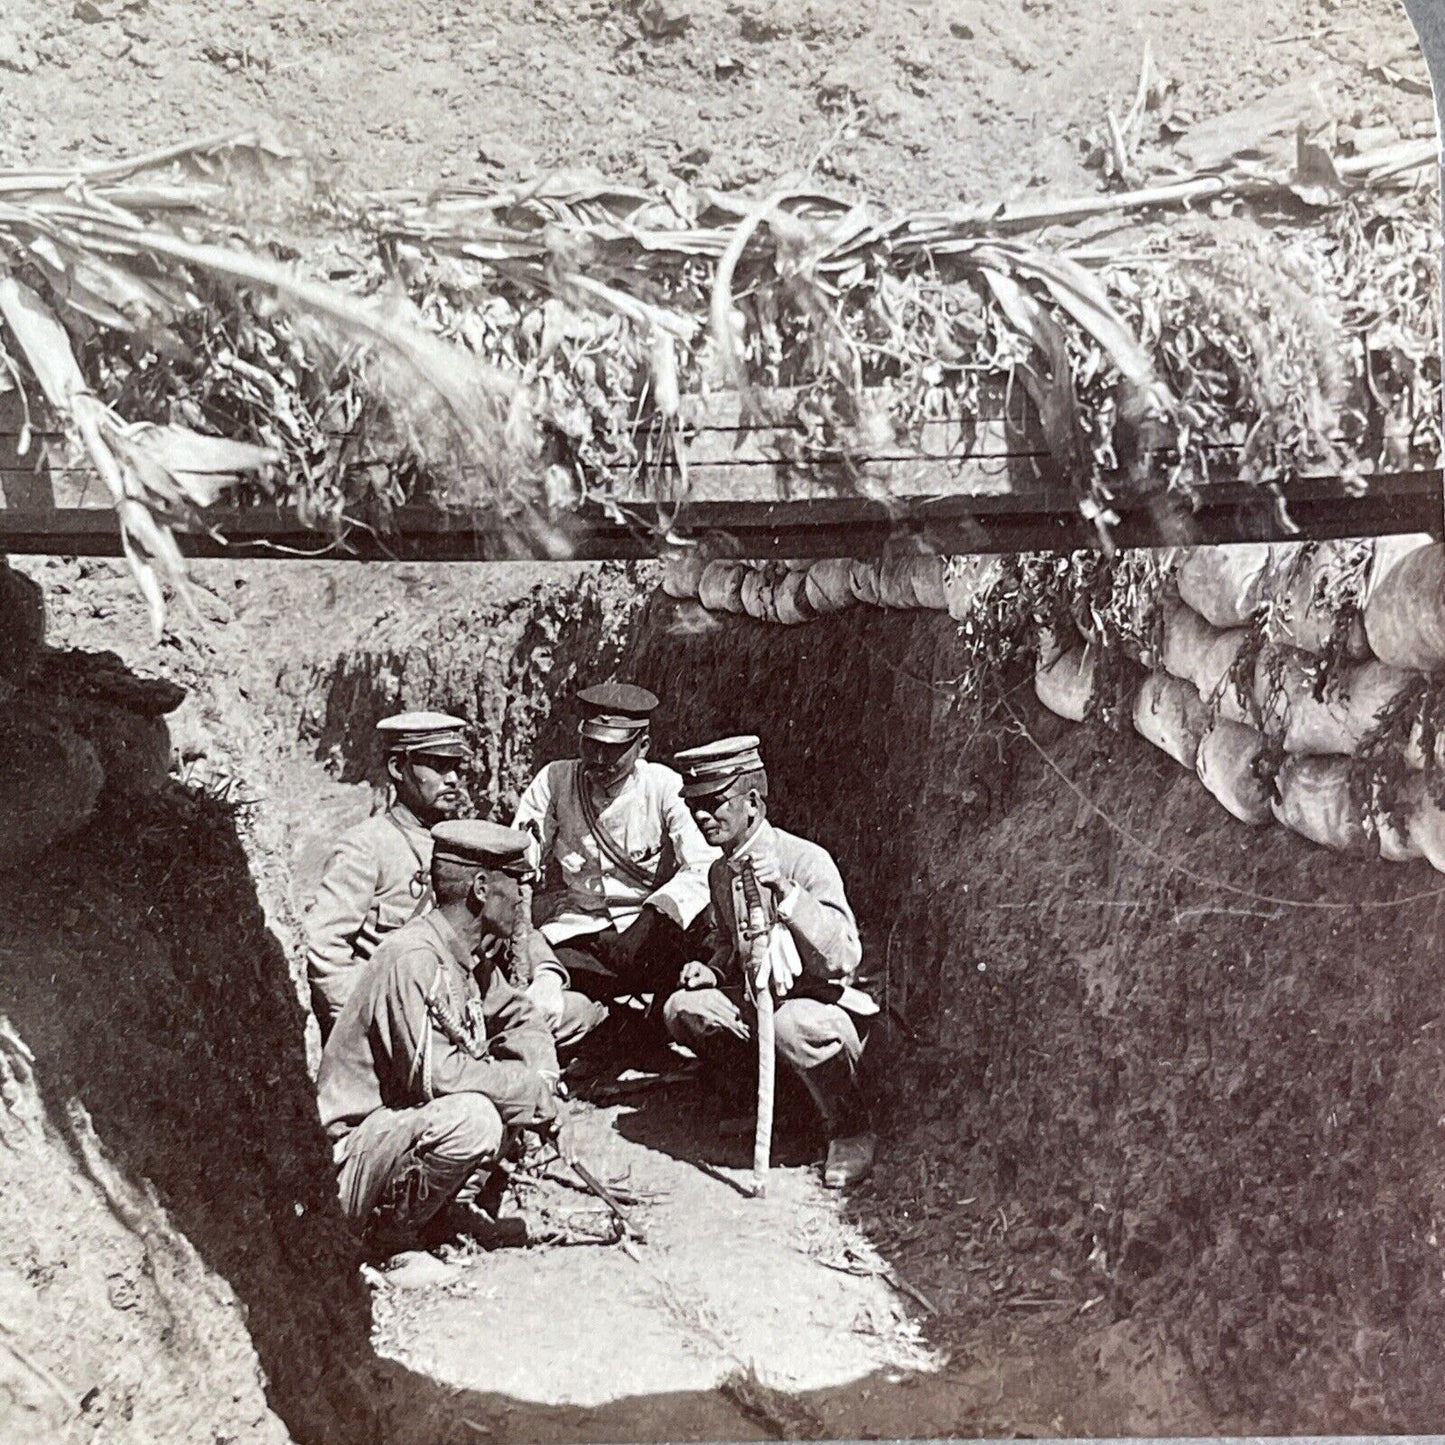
(609, 845)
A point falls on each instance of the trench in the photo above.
(1161, 1154)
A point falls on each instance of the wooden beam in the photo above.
(1041, 520)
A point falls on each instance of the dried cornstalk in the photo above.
(518, 354)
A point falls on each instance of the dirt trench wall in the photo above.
(1206, 1098)
(1196, 1106)
(1202, 1102)
(507, 667)
(172, 1258)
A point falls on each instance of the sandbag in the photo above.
(966, 581)
(1053, 643)
(830, 585)
(1187, 640)
(1414, 750)
(864, 578)
(1427, 831)
(720, 588)
(911, 581)
(682, 575)
(1389, 551)
(1314, 801)
(1066, 684)
(1297, 617)
(790, 600)
(1226, 585)
(929, 591)
(1169, 713)
(1395, 846)
(1405, 614)
(1225, 765)
(757, 594)
(1338, 722)
(1212, 676)
(895, 582)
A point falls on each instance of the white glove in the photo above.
(784, 965)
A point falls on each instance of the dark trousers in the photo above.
(645, 957)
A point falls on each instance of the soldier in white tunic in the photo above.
(632, 907)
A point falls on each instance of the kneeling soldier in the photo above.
(822, 1017)
(436, 1060)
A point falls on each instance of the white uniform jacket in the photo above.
(647, 818)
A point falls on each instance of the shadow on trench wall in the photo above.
(508, 669)
(864, 737)
(150, 989)
(1211, 1111)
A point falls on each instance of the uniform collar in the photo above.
(450, 939)
(611, 795)
(762, 833)
(408, 819)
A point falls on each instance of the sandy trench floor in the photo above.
(723, 1288)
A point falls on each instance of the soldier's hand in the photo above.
(696, 975)
(719, 1012)
(561, 1134)
(766, 867)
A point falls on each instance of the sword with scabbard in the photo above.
(760, 986)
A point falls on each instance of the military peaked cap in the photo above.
(425, 732)
(711, 767)
(615, 712)
(470, 842)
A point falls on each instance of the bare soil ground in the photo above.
(914, 104)
(730, 1321)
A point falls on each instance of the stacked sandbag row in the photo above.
(1207, 702)
(794, 592)
(1212, 705)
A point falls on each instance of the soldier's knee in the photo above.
(676, 1016)
(580, 1015)
(464, 1126)
(684, 1015)
(807, 1032)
